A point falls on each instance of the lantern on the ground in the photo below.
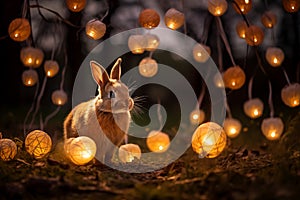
(243, 6)
(234, 78)
(51, 68)
(232, 127)
(291, 6)
(29, 77)
(38, 143)
(174, 19)
(272, 128)
(274, 56)
(149, 18)
(197, 117)
(201, 52)
(31, 57)
(158, 142)
(253, 108)
(269, 19)
(152, 42)
(95, 29)
(80, 150)
(129, 152)
(241, 28)
(76, 5)
(148, 67)
(19, 29)
(137, 44)
(290, 95)
(209, 140)
(254, 35)
(8, 149)
(217, 7)
(59, 97)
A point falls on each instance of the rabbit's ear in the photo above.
(116, 70)
(99, 74)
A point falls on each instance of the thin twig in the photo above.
(286, 76)
(244, 16)
(201, 96)
(51, 115)
(250, 87)
(184, 12)
(270, 100)
(228, 109)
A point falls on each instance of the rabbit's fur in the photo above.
(111, 108)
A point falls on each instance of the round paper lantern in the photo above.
(234, 77)
(29, 77)
(209, 140)
(149, 18)
(197, 117)
(232, 127)
(59, 97)
(152, 42)
(201, 52)
(128, 152)
(269, 19)
(95, 29)
(80, 150)
(290, 95)
(253, 108)
(217, 7)
(244, 6)
(158, 142)
(8, 149)
(272, 128)
(241, 28)
(38, 143)
(218, 80)
(31, 57)
(254, 35)
(174, 19)
(76, 5)
(291, 6)
(148, 67)
(51, 68)
(19, 29)
(274, 56)
(137, 44)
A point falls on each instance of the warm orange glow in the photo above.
(197, 117)
(290, 95)
(253, 108)
(234, 78)
(272, 128)
(38, 144)
(158, 142)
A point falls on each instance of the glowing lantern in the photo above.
(137, 44)
(232, 127)
(8, 149)
(148, 67)
(149, 18)
(209, 140)
(241, 28)
(269, 19)
(197, 117)
(76, 5)
(290, 95)
(95, 29)
(38, 143)
(158, 141)
(59, 97)
(244, 6)
(218, 80)
(217, 7)
(29, 77)
(253, 108)
(291, 5)
(254, 35)
(272, 128)
(31, 57)
(80, 150)
(51, 68)
(19, 29)
(152, 42)
(128, 152)
(234, 77)
(174, 19)
(274, 56)
(201, 52)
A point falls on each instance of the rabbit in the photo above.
(110, 108)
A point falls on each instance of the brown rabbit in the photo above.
(110, 109)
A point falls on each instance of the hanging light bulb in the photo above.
(149, 18)
(290, 95)
(232, 127)
(244, 6)
(59, 97)
(29, 77)
(253, 108)
(174, 19)
(254, 35)
(241, 28)
(291, 6)
(158, 142)
(272, 128)
(197, 117)
(76, 5)
(95, 29)
(31, 57)
(274, 56)
(51, 68)
(217, 7)
(269, 19)
(201, 52)
(148, 67)
(19, 29)
(234, 78)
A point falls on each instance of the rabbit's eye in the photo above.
(111, 95)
